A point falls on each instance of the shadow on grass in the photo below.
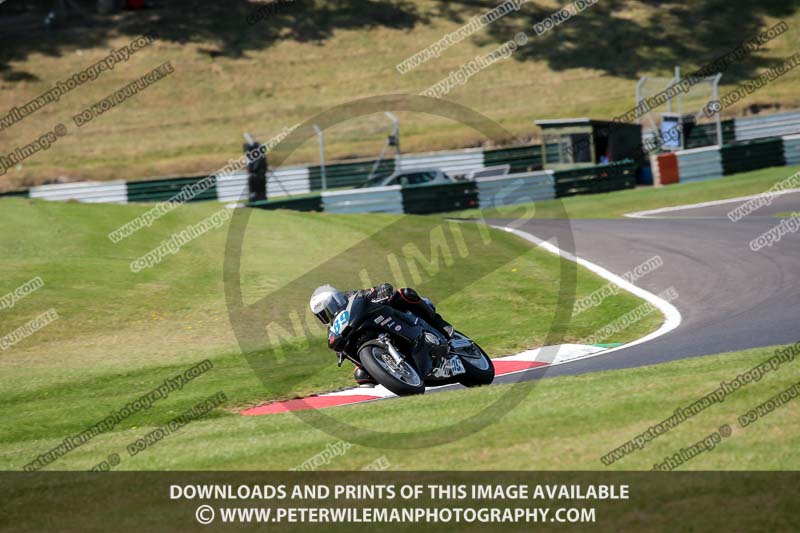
(622, 38)
(625, 39)
(229, 28)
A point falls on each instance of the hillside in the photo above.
(262, 71)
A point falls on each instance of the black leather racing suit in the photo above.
(405, 299)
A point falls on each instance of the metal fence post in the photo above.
(321, 140)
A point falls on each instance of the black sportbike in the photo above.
(383, 339)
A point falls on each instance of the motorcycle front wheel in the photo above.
(402, 379)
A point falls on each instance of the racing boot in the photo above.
(363, 378)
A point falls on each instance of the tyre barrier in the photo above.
(752, 155)
(288, 182)
(699, 164)
(714, 161)
(439, 198)
(371, 200)
(233, 188)
(160, 190)
(791, 149)
(595, 179)
(739, 129)
(301, 180)
(515, 189)
(452, 164)
(486, 192)
(112, 192)
(339, 175)
(307, 203)
(700, 135)
(748, 128)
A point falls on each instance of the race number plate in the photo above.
(340, 322)
(456, 366)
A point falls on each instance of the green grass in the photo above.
(230, 77)
(121, 334)
(564, 423)
(617, 204)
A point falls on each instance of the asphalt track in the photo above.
(731, 298)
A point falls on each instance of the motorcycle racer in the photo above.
(327, 301)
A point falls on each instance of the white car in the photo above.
(410, 177)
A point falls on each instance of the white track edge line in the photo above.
(672, 317)
(646, 214)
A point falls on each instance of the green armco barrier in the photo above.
(706, 134)
(303, 203)
(597, 179)
(424, 199)
(15, 194)
(521, 158)
(752, 155)
(164, 189)
(340, 175)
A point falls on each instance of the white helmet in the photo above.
(326, 302)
